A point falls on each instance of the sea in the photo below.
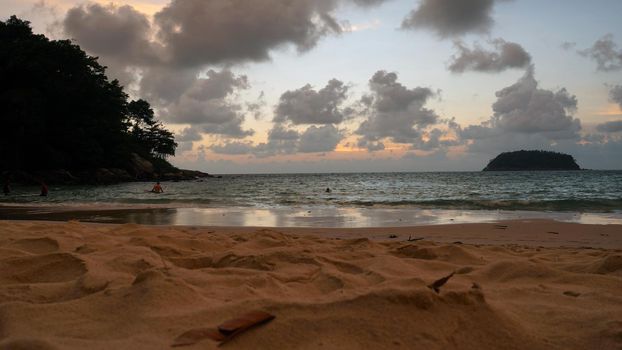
(340, 199)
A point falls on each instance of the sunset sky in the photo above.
(360, 85)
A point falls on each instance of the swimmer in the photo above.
(157, 188)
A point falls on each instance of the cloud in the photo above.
(195, 33)
(198, 32)
(286, 141)
(188, 134)
(612, 126)
(506, 55)
(119, 33)
(606, 54)
(523, 107)
(308, 106)
(233, 148)
(209, 104)
(449, 18)
(393, 112)
(278, 132)
(319, 139)
(162, 58)
(615, 95)
(525, 116)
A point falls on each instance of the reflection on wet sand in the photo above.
(325, 217)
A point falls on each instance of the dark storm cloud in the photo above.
(393, 112)
(606, 54)
(613, 126)
(308, 106)
(506, 55)
(449, 18)
(615, 95)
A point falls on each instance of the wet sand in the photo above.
(286, 217)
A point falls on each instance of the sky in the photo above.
(284, 86)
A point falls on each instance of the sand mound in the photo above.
(610, 265)
(76, 286)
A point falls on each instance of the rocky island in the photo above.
(532, 160)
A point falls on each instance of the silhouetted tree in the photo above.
(59, 110)
(147, 133)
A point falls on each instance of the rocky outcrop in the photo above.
(141, 168)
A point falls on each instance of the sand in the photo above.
(517, 285)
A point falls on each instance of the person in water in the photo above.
(44, 190)
(157, 188)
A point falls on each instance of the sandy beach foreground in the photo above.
(517, 285)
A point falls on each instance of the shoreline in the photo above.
(286, 218)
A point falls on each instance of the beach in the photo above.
(523, 284)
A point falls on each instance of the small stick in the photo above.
(436, 285)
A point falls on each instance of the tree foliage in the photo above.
(59, 110)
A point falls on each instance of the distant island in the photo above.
(532, 160)
(65, 122)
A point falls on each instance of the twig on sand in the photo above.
(436, 285)
(553, 232)
(410, 239)
(501, 227)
